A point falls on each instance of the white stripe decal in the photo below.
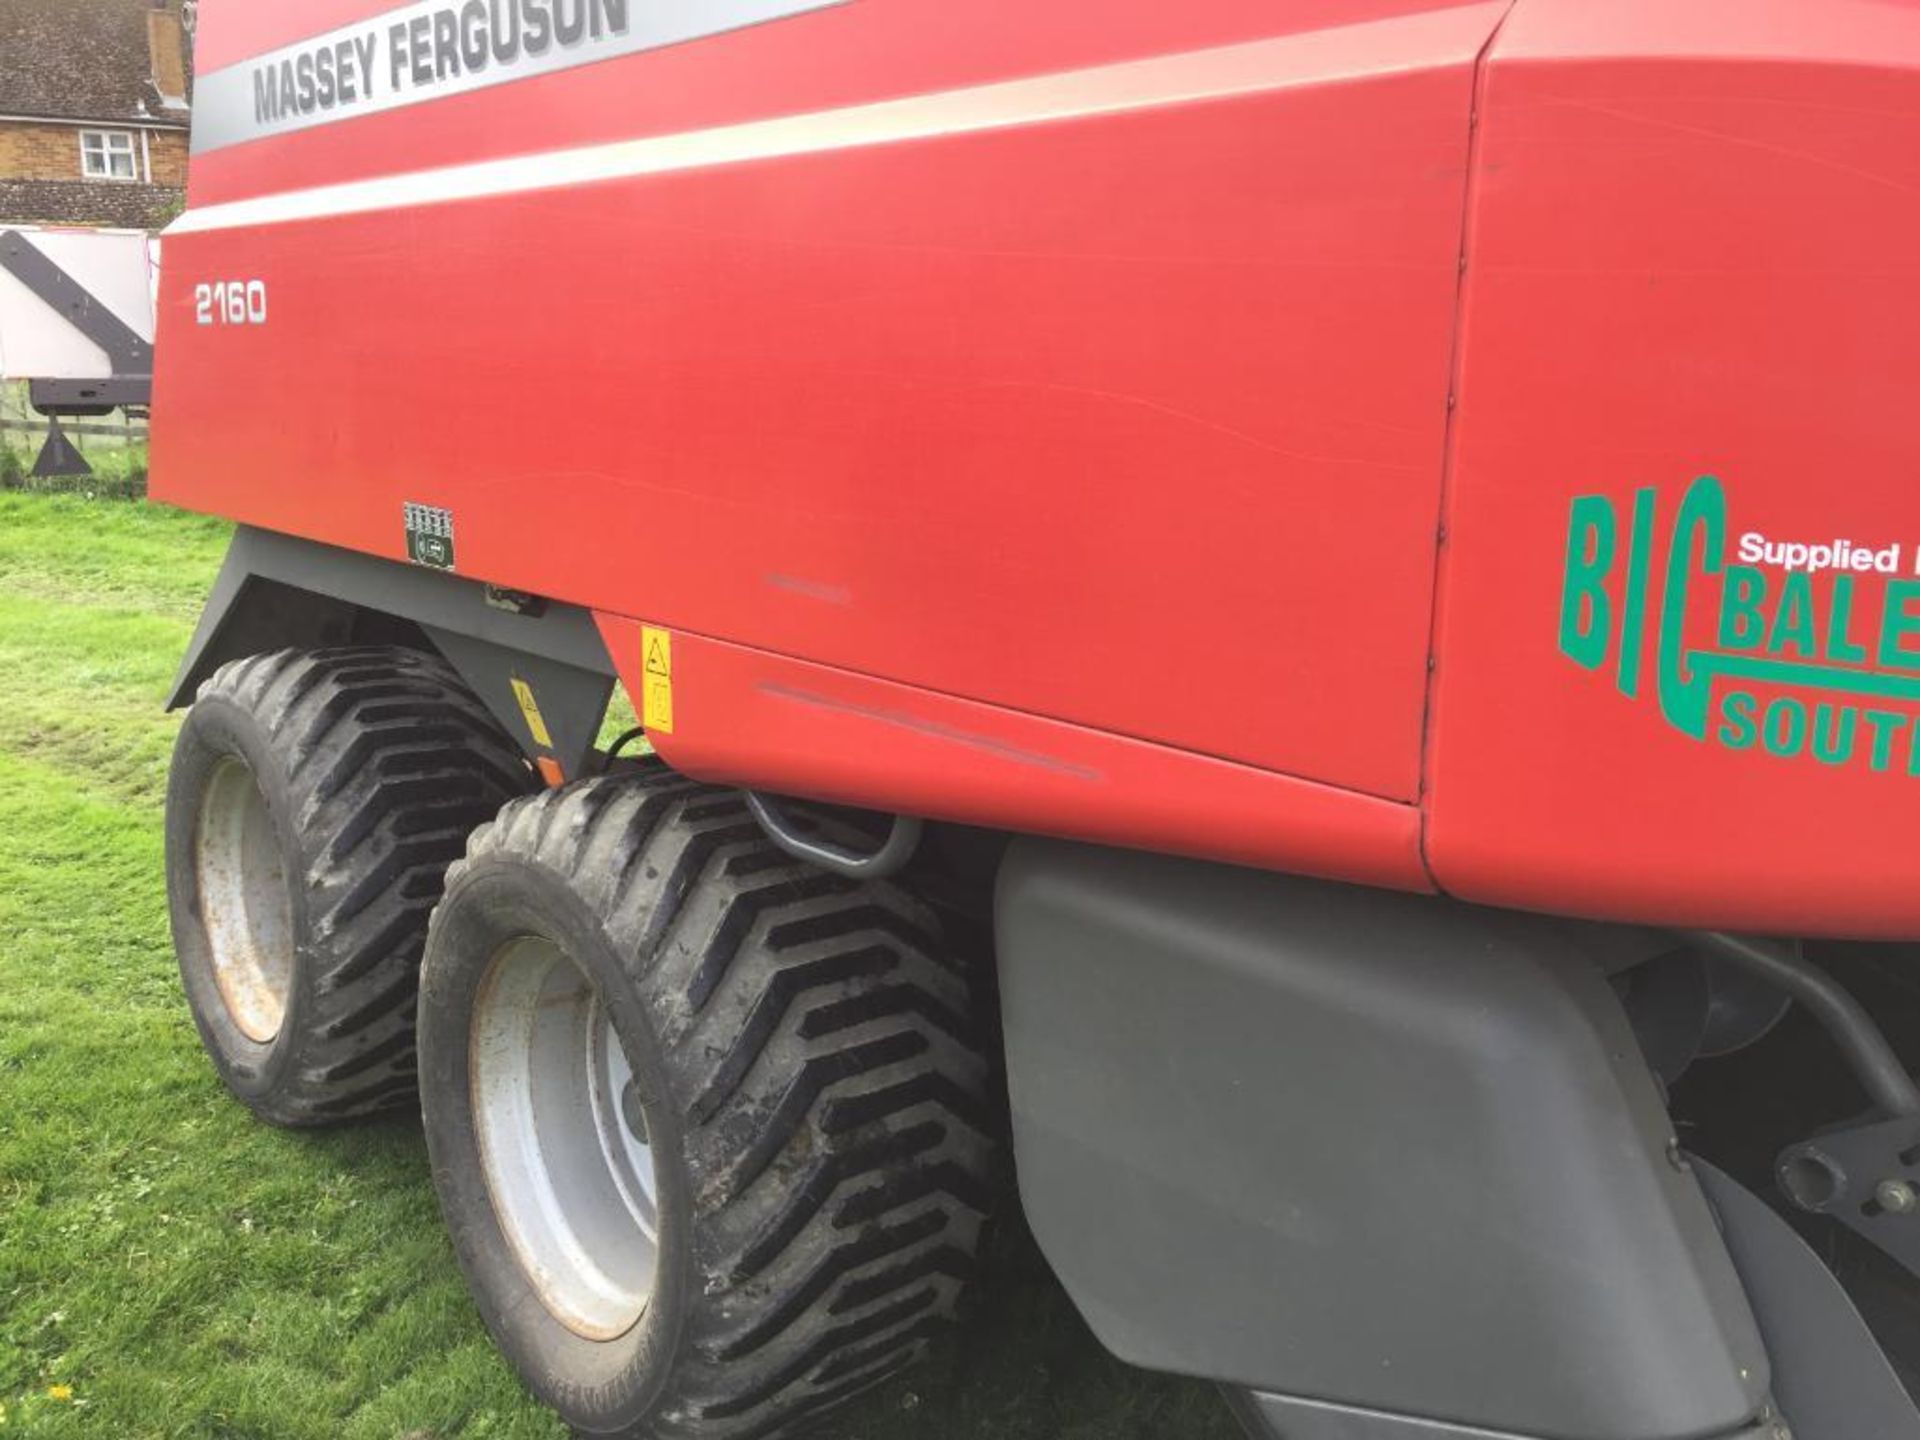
(429, 49)
(1373, 49)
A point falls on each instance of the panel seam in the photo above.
(1449, 457)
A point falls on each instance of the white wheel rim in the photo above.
(246, 906)
(571, 1182)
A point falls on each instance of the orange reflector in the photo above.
(551, 772)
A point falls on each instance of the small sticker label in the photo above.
(530, 708)
(656, 695)
(429, 536)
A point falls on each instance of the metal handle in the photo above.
(1860, 1040)
(902, 840)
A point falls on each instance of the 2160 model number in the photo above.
(231, 302)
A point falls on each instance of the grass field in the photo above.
(170, 1268)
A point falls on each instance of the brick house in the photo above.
(93, 111)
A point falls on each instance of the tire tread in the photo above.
(825, 1060)
(391, 762)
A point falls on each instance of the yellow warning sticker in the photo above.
(530, 708)
(656, 697)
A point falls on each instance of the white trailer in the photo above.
(77, 322)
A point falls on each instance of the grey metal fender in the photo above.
(1830, 1377)
(278, 590)
(1391, 1153)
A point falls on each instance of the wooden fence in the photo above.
(22, 426)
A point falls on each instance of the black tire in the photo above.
(364, 771)
(816, 1099)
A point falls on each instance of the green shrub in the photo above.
(13, 469)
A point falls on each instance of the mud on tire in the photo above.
(815, 1101)
(315, 801)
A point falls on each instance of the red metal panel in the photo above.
(744, 716)
(229, 31)
(1693, 252)
(1132, 420)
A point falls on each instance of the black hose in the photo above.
(625, 738)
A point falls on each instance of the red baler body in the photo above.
(1246, 431)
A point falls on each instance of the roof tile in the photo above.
(78, 60)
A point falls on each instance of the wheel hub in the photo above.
(246, 906)
(569, 1170)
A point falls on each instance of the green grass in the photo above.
(168, 1267)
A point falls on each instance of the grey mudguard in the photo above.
(1830, 1376)
(1387, 1152)
(279, 590)
(1284, 1417)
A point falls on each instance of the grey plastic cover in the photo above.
(1379, 1150)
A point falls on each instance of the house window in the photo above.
(108, 155)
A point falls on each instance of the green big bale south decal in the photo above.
(1814, 653)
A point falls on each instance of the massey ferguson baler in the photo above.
(1318, 596)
